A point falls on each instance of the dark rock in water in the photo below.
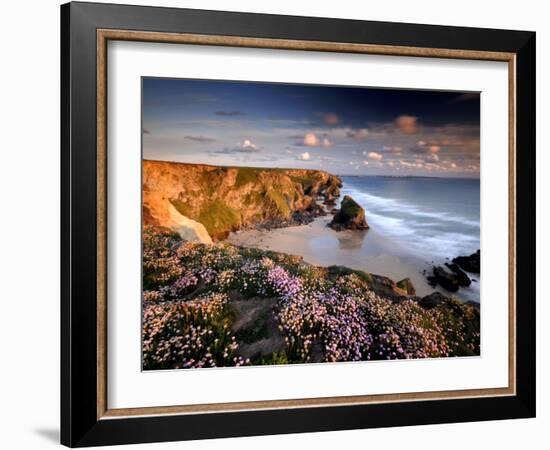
(445, 279)
(407, 286)
(432, 281)
(469, 263)
(451, 281)
(432, 300)
(460, 275)
(350, 216)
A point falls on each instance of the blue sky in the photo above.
(345, 130)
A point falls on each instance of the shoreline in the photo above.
(367, 250)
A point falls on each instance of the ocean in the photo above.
(428, 217)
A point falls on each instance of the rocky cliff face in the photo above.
(203, 201)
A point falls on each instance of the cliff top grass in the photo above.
(247, 175)
(215, 215)
(279, 201)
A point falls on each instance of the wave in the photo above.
(391, 204)
(442, 235)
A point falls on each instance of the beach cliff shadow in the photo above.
(351, 240)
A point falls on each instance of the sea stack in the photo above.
(350, 216)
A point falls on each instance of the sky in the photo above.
(343, 130)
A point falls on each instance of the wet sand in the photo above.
(368, 250)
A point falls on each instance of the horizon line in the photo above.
(317, 170)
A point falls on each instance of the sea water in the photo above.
(432, 218)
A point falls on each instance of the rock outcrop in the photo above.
(457, 277)
(446, 280)
(407, 286)
(351, 216)
(461, 277)
(381, 285)
(432, 300)
(218, 200)
(469, 263)
(256, 328)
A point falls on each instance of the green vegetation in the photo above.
(215, 215)
(254, 198)
(406, 285)
(279, 201)
(247, 175)
(218, 218)
(349, 208)
(183, 208)
(190, 311)
(305, 182)
(276, 358)
(336, 271)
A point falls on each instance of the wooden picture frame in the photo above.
(85, 416)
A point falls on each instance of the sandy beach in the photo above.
(368, 250)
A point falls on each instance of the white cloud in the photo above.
(311, 140)
(358, 134)
(327, 142)
(304, 156)
(375, 156)
(248, 144)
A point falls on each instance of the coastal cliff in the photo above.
(204, 203)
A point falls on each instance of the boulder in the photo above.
(256, 327)
(351, 216)
(432, 300)
(469, 263)
(445, 279)
(460, 275)
(406, 285)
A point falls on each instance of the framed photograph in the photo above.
(275, 224)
